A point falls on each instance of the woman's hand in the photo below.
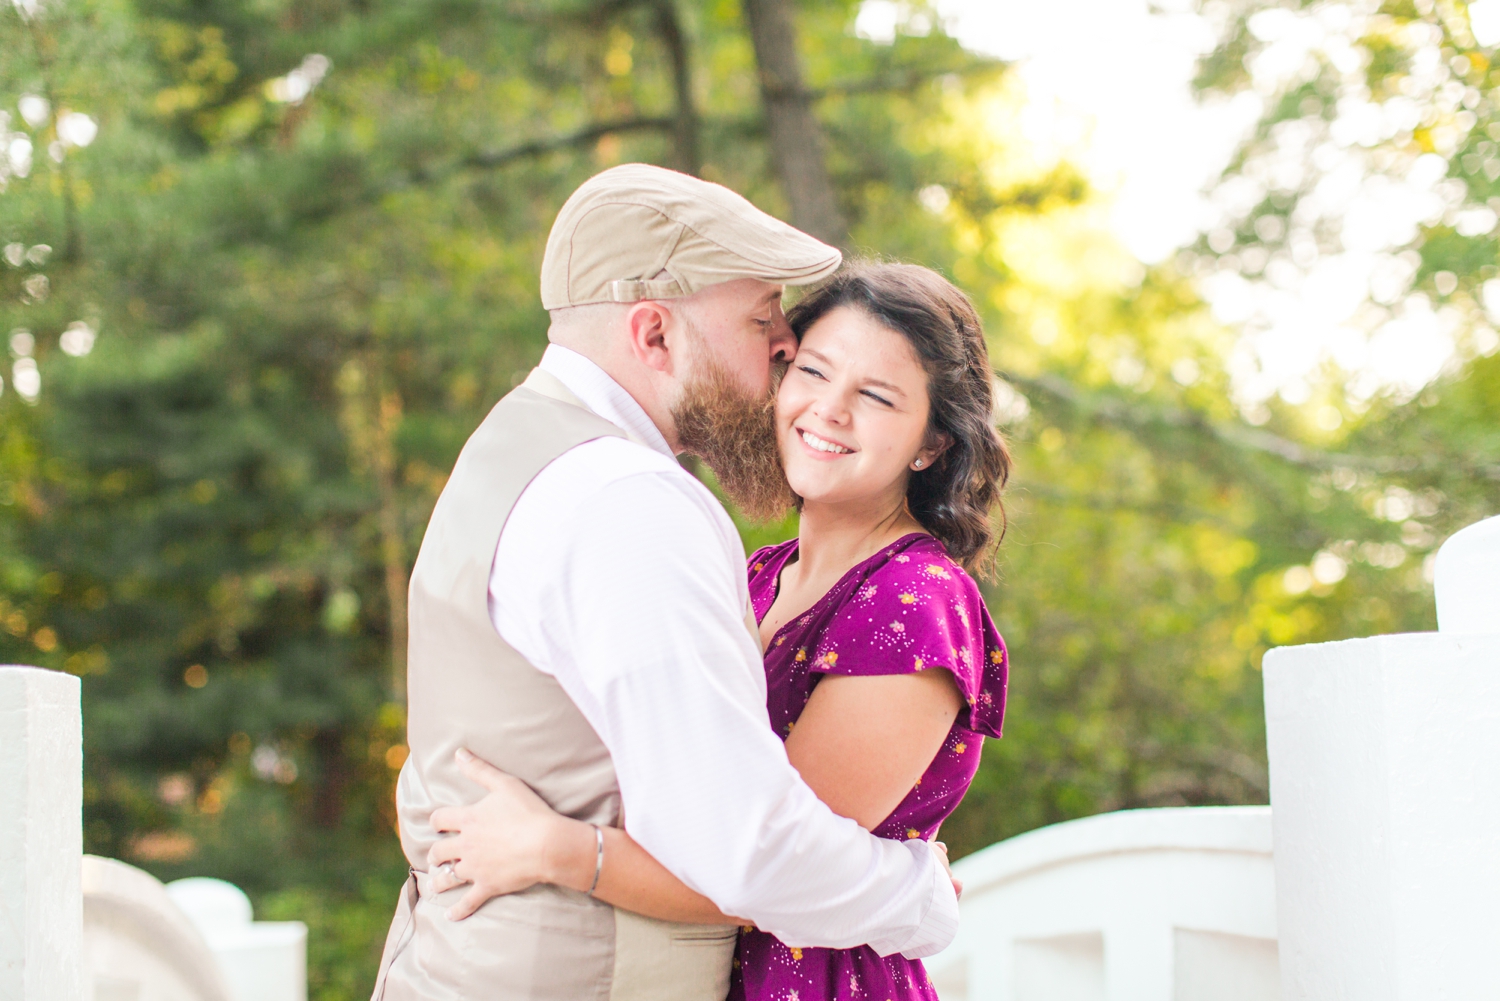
(507, 842)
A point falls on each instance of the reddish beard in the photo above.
(734, 432)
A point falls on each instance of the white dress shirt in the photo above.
(619, 574)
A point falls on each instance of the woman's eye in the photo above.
(878, 399)
(810, 371)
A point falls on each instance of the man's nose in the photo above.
(783, 341)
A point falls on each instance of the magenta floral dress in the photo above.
(905, 609)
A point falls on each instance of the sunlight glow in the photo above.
(1108, 87)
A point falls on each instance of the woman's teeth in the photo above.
(823, 446)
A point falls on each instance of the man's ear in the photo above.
(646, 326)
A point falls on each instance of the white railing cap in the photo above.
(137, 897)
(1466, 580)
(1238, 829)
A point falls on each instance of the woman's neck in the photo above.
(831, 538)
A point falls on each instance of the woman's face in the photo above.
(851, 413)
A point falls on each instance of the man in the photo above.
(578, 618)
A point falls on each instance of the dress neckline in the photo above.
(786, 556)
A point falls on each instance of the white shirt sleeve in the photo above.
(638, 609)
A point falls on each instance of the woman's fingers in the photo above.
(469, 903)
(446, 819)
(444, 850)
(480, 771)
(445, 878)
(502, 840)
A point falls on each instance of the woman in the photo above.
(884, 671)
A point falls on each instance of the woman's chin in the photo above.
(816, 491)
(811, 493)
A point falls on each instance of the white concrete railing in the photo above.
(41, 836)
(1140, 905)
(80, 928)
(191, 940)
(1385, 777)
(138, 945)
(260, 960)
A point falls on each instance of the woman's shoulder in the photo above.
(917, 609)
(765, 558)
(921, 561)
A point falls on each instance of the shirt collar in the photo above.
(603, 395)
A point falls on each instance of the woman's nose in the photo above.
(833, 409)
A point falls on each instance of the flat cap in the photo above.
(624, 227)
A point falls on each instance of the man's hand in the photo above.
(507, 842)
(942, 850)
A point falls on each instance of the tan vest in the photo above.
(468, 688)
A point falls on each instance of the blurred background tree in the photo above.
(265, 266)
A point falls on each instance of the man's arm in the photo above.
(649, 640)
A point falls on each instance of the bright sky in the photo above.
(1108, 84)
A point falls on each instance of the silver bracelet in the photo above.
(598, 857)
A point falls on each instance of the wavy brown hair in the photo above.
(954, 498)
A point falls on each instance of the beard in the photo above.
(734, 432)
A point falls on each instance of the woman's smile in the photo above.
(823, 446)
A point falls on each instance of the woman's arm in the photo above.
(511, 839)
(865, 769)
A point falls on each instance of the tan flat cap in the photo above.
(624, 227)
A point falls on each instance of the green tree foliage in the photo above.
(298, 263)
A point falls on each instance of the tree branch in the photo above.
(589, 12)
(1136, 419)
(905, 80)
(568, 140)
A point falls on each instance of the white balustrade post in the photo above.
(1385, 792)
(41, 836)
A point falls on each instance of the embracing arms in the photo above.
(511, 839)
(644, 630)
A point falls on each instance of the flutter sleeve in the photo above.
(914, 615)
(762, 569)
